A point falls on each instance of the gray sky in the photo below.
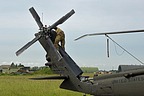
(17, 27)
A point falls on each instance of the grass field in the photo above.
(23, 86)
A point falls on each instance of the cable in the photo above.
(119, 54)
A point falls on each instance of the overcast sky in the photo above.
(17, 27)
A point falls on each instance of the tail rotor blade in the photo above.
(27, 46)
(36, 17)
(63, 19)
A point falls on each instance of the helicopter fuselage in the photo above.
(120, 84)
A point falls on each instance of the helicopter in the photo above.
(128, 82)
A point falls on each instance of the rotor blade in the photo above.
(27, 46)
(120, 32)
(63, 19)
(36, 17)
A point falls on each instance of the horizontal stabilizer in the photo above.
(52, 77)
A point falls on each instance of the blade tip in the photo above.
(17, 54)
(76, 39)
(73, 10)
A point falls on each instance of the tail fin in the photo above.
(63, 64)
(70, 64)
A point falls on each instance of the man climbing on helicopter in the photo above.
(57, 36)
(60, 38)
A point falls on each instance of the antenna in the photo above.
(42, 18)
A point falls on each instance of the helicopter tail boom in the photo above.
(67, 68)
